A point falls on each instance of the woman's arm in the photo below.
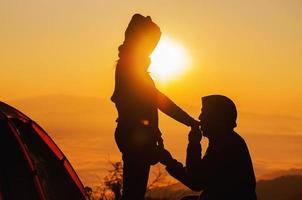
(168, 107)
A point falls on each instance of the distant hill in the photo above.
(275, 174)
(280, 188)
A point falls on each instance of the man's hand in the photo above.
(195, 135)
(165, 157)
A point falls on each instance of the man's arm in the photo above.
(198, 171)
(195, 165)
(178, 171)
(193, 159)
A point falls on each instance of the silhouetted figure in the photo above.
(137, 101)
(226, 171)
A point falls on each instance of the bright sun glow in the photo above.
(169, 60)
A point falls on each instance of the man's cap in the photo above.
(220, 108)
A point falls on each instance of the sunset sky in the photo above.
(57, 61)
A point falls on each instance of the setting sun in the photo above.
(169, 60)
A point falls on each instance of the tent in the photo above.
(32, 166)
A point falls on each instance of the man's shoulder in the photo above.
(240, 145)
(237, 141)
(238, 138)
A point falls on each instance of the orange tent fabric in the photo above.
(32, 166)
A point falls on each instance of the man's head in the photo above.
(218, 115)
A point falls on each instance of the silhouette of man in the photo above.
(225, 172)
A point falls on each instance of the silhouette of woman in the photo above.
(137, 101)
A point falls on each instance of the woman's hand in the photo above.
(195, 124)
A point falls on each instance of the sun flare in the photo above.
(169, 60)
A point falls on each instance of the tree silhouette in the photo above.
(114, 180)
(112, 185)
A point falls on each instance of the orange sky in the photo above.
(247, 50)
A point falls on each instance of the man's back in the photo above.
(229, 170)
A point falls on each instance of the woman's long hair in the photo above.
(141, 37)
